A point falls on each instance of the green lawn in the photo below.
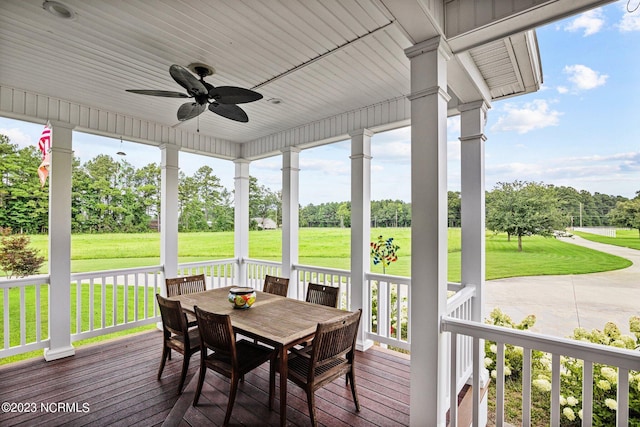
(330, 247)
(624, 238)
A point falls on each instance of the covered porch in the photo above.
(361, 68)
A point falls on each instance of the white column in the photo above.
(169, 210)
(241, 221)
(360, 226)
(429, 361)
(290, 215)
(472, 140)
(60, 242)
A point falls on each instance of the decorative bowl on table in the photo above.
(241, 297)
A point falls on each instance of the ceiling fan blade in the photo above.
(190, 110)
(184, 78)
(165, 93)
(230, 111)
(233, 95)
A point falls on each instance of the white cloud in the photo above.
(562, 89)
(591, 22)
(532, 115)
(631, 16)
(17, 136)
(325, 166)
(397, 150)
(584, 78)
(594, 173)
(453, 126)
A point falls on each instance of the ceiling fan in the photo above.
(221, 100)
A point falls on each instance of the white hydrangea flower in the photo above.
(610, 374)
(568, 412)
(572, 401)
(507, 371)
(542, 384)
(488, 362)
(580, 413)
(494, 374)
(611, 404)
(563, 401)
(545, 361)
(604, 385)
(493, 348)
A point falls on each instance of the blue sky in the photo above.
(582, 129)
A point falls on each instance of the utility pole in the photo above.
(581, 214)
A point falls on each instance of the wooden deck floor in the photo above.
(114, 384)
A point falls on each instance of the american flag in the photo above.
(45, 140)
(44, 144)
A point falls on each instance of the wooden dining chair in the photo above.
(186, 285)
(177, 336)
(331, 355)
(323, 295)
(229, 357)
(276, 285)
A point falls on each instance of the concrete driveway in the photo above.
(563, 303)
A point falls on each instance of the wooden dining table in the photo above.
(274, 320)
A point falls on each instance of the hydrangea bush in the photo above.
(605, 378)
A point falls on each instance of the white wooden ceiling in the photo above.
(325, 60)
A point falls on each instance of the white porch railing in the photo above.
(115, 300)
(389, 309)
(459, 306)
(306, 274)
(32, 295)
(218, 273)
(623, 360)
(257, 269)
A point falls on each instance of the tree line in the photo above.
(110, 195)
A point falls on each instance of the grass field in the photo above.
(624, 238)
(330, 247)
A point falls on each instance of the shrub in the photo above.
(604, 377)
(512, 354)
(16, 258)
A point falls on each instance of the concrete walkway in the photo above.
(563, 303)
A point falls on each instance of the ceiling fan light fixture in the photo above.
(202, 70)
(121, 153)
(59, 10)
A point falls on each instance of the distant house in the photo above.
(265, 223)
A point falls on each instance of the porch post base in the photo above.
(58, 353)
(364, 345)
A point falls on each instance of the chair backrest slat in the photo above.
(276, 285)
(216, 333)
(173, 318)
(335, 339)
(185, 285)
(323, 295)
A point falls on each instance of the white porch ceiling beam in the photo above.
(469, 84)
